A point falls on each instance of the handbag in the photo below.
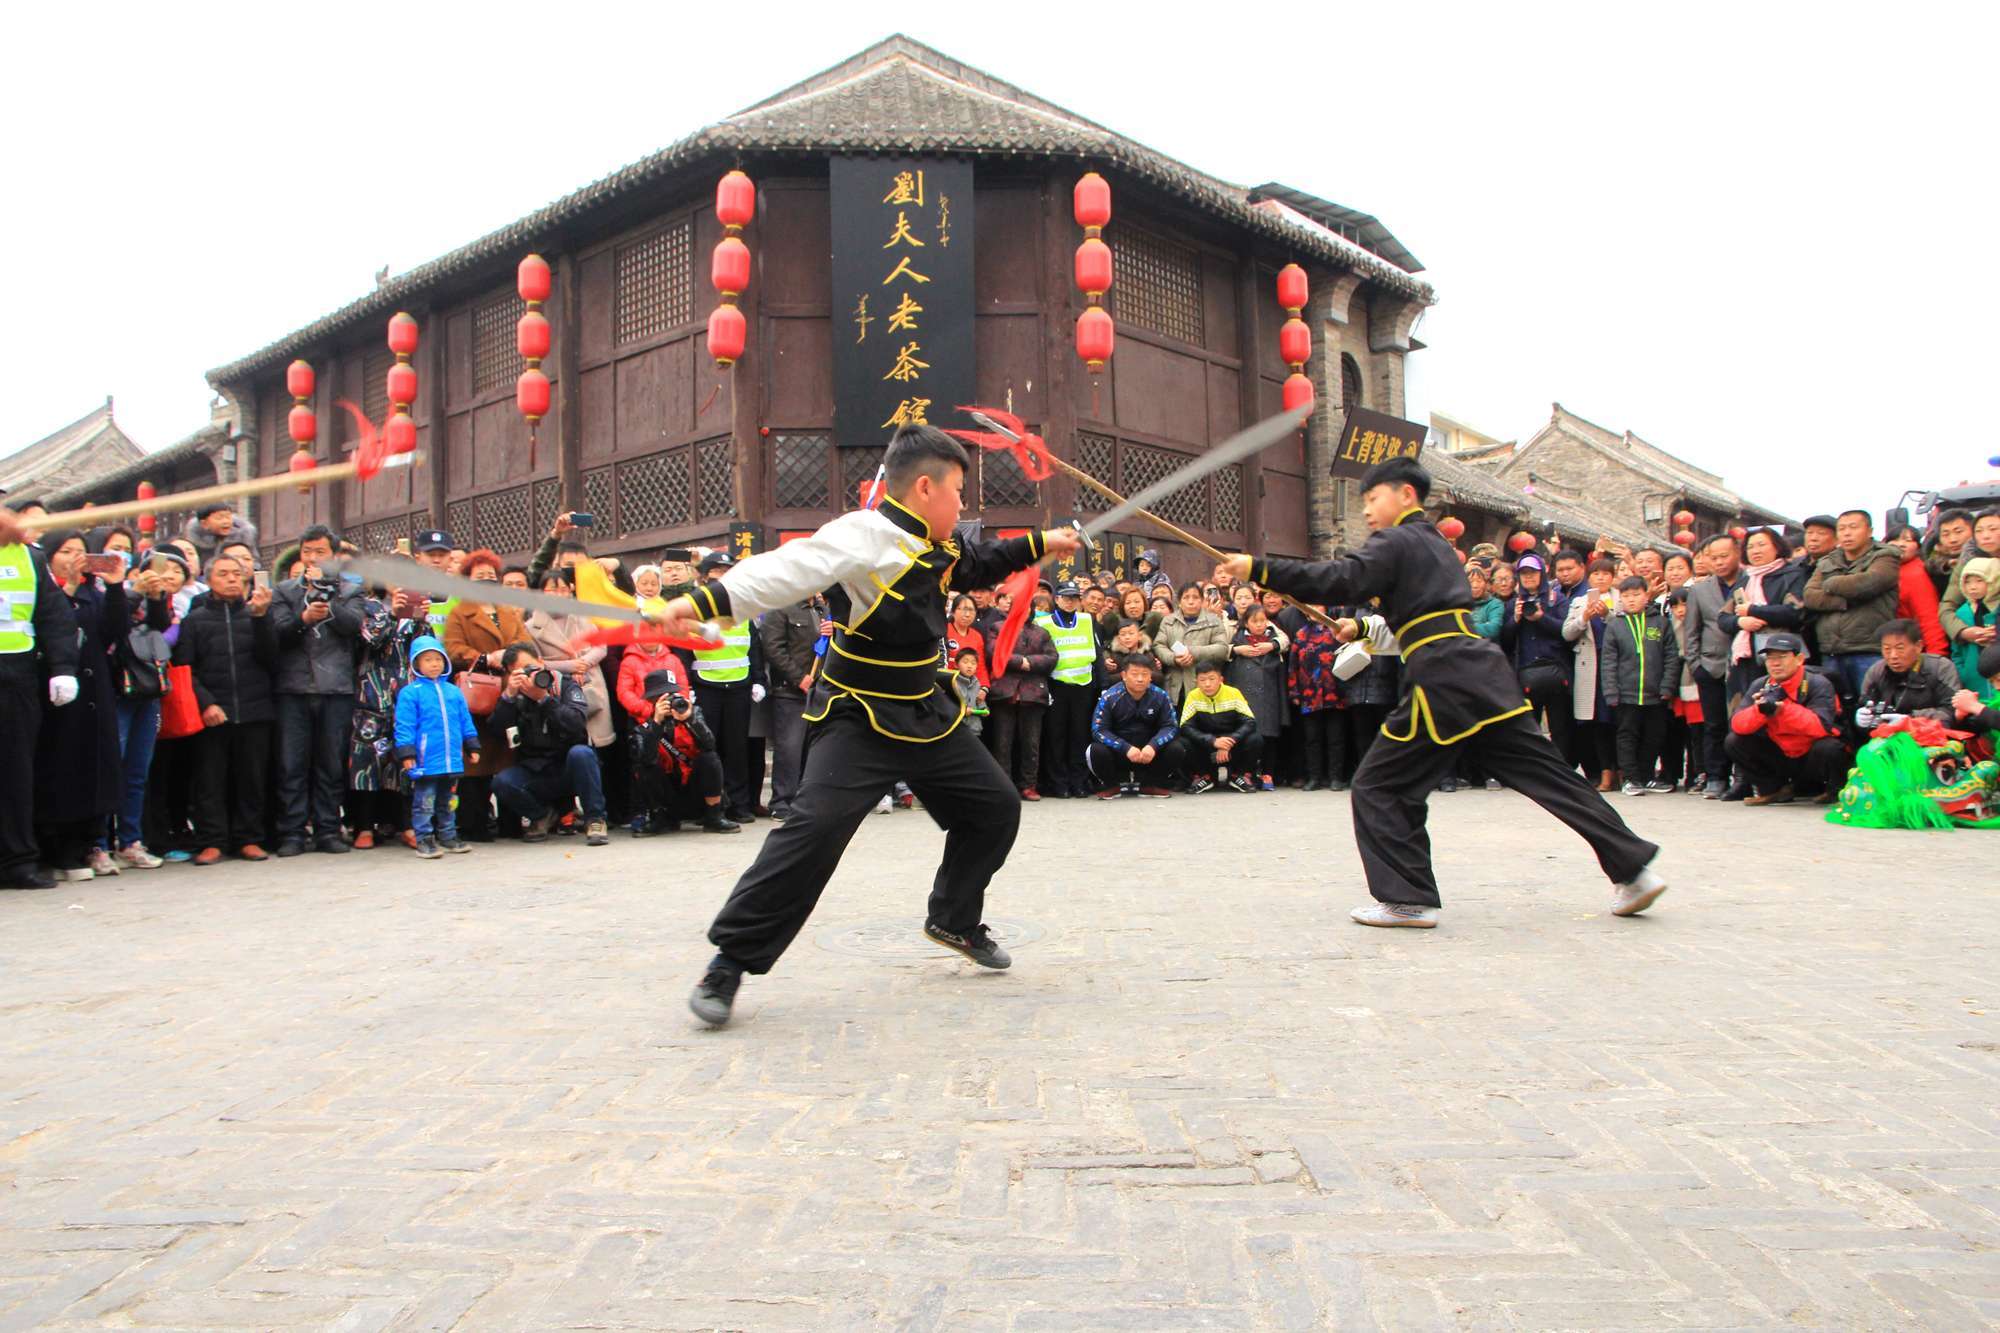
(1543, 675)
(180, 712)
(142, 657)
(481, 690)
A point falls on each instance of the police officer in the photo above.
(1067, 732)
(38, 659)
(434, 547)
(729, 680)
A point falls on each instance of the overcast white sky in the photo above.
(1758, 235)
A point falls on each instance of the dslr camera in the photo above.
(317, 590)
(544, 679)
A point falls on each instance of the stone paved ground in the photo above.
(381, 1093)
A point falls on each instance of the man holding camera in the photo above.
(542, 716)
(678, 775)
(1788, 730)
(1907, 682)
(316, 619)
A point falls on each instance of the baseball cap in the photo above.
(715, 560)
(1067, 588)
(434, 539)
(1781, 642)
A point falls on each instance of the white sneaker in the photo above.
(1642, 892)
(79, 875)
(1396, 914)
(101, 863)
(136, 857)
(884, 806)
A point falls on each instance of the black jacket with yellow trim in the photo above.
(1454, 681)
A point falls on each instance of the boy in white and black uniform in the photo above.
(883, 709)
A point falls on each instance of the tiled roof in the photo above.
(1478, 488)
(151, 466)
(90, 441)
(1646, 458)
(898, 96)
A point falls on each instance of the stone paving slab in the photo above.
(379, 1093)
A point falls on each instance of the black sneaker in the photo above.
(1242, 784)
(1200, 785)
(715, 995)
(289, 847)
(332, 846)
(27, 877)
(717, 822)
(978, 945)
(457, 846)
(428, 849)
(1338, 784)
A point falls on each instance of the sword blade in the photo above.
(1241, 445)
(396, 573)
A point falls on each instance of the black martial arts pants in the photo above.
(727, 712)
(849, 767)
(1065, 738)
(1768, 768)
(1393, 781)
(21, 695)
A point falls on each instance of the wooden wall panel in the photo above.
(1009, 353)
(645, 398)
(600, 436)
(792, 243)
(1225, 403)
(499, 445)
(1007, 246)
(1160, 392)
(799, 365)
(595, 276)
(714, 389)
(1218, 293)
(458, 356)
(1285, 515)
(458, 454)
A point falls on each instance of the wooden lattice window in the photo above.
(374, 388)
(1229, 498)
(1097, 455)
(717, 460)
(459, 525)
(799, 471)
(597, 501)
(1142, 465)
(656, 282)
(383, 534)
(504, 523)
(1002, 482)
(654, 492)
(1158, 287)
(548, 503)
(496, 359)
(1350, 384)
(856, 467)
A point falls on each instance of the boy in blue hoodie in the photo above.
(435, 738)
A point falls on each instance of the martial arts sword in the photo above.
(395, 572)
(1176, 481)
(1250, 440)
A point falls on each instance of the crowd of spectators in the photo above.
(188, 704)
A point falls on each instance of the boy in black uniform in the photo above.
(1459, 690)
(883, 709)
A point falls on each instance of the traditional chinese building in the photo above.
(86, 448)
(666, 449)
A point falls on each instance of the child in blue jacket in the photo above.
(434, 733)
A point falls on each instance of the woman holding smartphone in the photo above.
(77, 775)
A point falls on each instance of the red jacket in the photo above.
(1917, 599)
(1805, 716)
(640, 663)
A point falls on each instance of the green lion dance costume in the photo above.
(1900, 782)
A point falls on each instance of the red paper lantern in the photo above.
(531, 394)
(1295, 342)
(1093, 267)
(1521, 543)
(145, 491)
(735, 201)
(1292, 288)
(531, 335)
(1684, 518)
(729, 270)
(727, 333)
(1741, 534)
(299, 380)
(303, 424)
(1298, 392)
(403, 334)
(531, 278)
(1092, 200)
(1684, 538)
(302, 462)
(402, 383)
(1094, 337)
(1450, 528)
(401, 434)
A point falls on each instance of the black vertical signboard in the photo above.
(902, 294)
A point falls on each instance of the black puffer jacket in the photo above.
(234, 658)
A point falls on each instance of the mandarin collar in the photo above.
(904, 518)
